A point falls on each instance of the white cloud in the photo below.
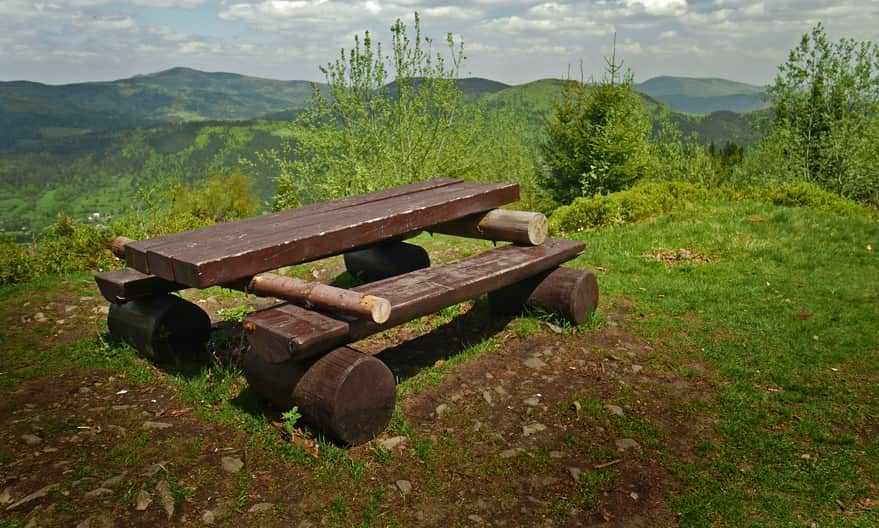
(660, 7)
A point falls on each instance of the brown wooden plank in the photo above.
(136, 252)
(289, 332)
(210, 264)
(125, 285)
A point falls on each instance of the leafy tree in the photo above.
(825, 101)
(597, 138)
(393, 120)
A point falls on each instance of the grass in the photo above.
(781, 316)
(785, 316)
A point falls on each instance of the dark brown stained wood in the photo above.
(500, 225)
(569, 292)
(121, 286)
(347, 395)
(305, 333)
(136, 253)
(341, 231)
(162, 327)
(278, 329)
(386, 259)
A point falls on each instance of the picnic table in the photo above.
(299, 348)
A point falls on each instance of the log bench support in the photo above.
(161, 327)
(567, 292)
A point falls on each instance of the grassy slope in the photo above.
(782, 321)
(785, 317)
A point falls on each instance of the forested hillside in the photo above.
(98, 147)
(705, 95)
(32, 112)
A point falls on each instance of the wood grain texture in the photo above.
(121, 286)
(500, 225)
(290, 332)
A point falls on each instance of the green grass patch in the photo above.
(785, 311)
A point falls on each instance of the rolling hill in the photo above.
(704, 95)
(32, 111)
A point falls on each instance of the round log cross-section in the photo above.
(347, 395)
(385, 260)
(569, 292)
(164, 327)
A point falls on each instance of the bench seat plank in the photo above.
(287, 332)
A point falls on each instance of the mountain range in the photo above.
(90, 147)
(32, 111)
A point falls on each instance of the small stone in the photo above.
(441, 409)
(31, 439)
(98, 492)
(486, 395)
(534, 363)
(633, 495)
(6, 495)
(404, 486)
(477, 519)
(40, 317)
(624, 444)
(501, 390)
(393, 442)
(534, 428)
(556, 454)
(261, 507)
(481, 505)
(510, 453)
(153, 426)
(614, 409)
(102, 310)
(164, 491)
(208, 517)
(575, 473)
(637, 368)
(532, 401)
(143, 500)
(70, 307)
(305, 524)
(231, 464)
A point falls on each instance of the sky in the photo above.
(64, 41)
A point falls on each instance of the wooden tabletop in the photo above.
(227, 252)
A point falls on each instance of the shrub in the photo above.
(17, 264)
(638, 202)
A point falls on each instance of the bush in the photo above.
(17, 264)
(638, 202)
(647, 199)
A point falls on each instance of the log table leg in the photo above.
(164, 327)
(347, 395)
(570, 292)
(385, 260)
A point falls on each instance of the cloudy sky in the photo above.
(60, 41)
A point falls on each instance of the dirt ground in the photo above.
(547, 428)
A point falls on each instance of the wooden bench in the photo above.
(299, 353)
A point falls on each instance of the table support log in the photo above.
(347, 395)
(569, 292)
(501, 225)
(163, 327)
(385, 260)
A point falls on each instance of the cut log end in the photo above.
(347, 395)
(117, 247)
(380, 308)
(568, 292)
(501, 225)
